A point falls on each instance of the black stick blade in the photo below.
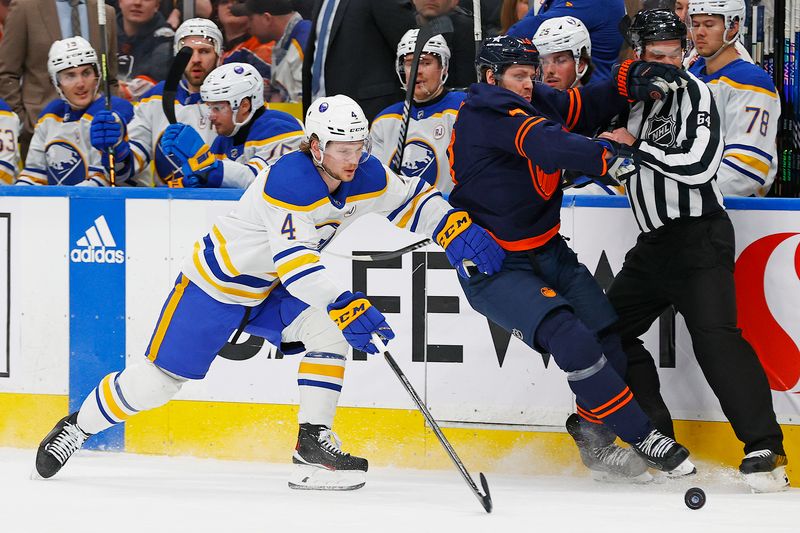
(486, 499)
(174, 76)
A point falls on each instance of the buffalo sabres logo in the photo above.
(661, 130)
(419, 159)
(65, 164)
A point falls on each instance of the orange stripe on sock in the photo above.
(625, 391)
(587, 416)
(621, 404)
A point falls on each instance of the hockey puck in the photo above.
(694, 498)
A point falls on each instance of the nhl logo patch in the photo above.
(661, 130)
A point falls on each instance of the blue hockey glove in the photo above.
(358, 320)
(208, 180)
(108, 130)
(185, 146)
(464, 241)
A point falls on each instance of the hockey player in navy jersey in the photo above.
(433, 112)
(259, 270)
(510, 143)
(60, 152)
(250, 136)
(140, 141)
(745, 96)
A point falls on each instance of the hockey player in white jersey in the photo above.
(259, 270)
(9, 147)
(61, 152)
(149, 122)
(745, 95)
(250, 136)
(433, 113)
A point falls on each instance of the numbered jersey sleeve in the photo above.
(9, 147)
(750, 111)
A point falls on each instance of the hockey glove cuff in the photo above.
(464, 241)
(644, 81)
(358, 320)
(185, 146)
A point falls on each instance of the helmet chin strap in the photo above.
(238, 125)
(578, 74)
(319, 165)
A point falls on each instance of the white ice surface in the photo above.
(121, 493)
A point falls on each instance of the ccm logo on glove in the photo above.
(456, 222)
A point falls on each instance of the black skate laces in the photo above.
(655, 444)
(330, 441)
(67, 442)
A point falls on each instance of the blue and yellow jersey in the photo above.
(287, 216)
(148, 125)
(749, 108)
(287, 60)
(428, 137)
(9, 148)
(61, 152)
(259, 143)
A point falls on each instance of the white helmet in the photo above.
(201, 28)
(562, 34)
(436, 45)
(729, 9)
(233, 83)
(69, 53)
(337, 118)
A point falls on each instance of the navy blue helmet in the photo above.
(655, 25)
(498, 53)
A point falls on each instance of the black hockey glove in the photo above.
(643, 81)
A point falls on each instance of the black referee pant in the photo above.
(689, 263)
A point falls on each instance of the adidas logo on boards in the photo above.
(97, 245)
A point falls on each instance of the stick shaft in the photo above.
(101, 19)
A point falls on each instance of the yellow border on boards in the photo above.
(387, 437)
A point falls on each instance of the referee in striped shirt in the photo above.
(685, 254)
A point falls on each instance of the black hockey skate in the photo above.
(765, 471)
(663, 453)
(599, 453)
(58, 446)
(320, 464)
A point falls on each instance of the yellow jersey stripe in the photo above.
(221, 288)
(111, 403)
(50, 116)
(286, 205)
(368, 195)
(744, 86)
(299, 48)
(275, 138)
(404, 221)
(387, 115)
(7, 114)
(752, 162)
(6, 178)
(163, 324)
(297, 262)
(223, 251)
(333, 371)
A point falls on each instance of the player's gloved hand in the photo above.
(207, 180)
(107, 131)
(358, 320)
(644, 81)
(185, 146)
(464, 241)
(620, 160)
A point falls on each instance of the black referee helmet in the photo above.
(655, 25)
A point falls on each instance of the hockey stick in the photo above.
(383, 256)
(101, 21)
(485, 498)
(476, 27)
(438, 25)
(174, 76)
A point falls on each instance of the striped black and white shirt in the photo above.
(679, 149)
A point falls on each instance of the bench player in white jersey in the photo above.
(745, 95)
(61, 152)
(149, 121)
(9, 147)
(433, 113)
(259, 270)
(250, 136)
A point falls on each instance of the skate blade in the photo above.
(608, 477)
(761, 482)
(686, 468)
(306, 477)
(35, 476)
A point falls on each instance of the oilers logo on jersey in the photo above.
(65, 164)
(419, 159)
